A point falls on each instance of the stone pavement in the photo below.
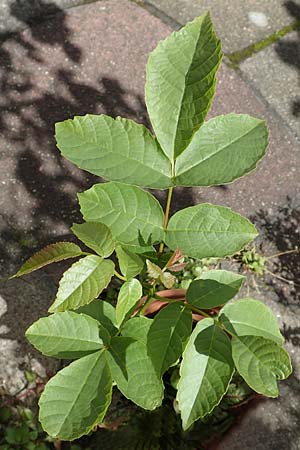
(66, 57)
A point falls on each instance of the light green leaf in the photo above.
(96, 236)
(261, 363)
(214, 288)
(137, 328)
(133, 215)
(116, 149)
(180, 83)
(130, 263)
(250, 317)
(103, 312)
(167, 279)
(82, 283)
(206, 230)
(48, 255)
(76, 398)
(205, 372)
(225, 148)
(168, 336)
(129, 295)
(154, 271)
(67, 335)
(131, 367)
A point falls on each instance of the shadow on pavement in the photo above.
(289, 50)
(41, 186)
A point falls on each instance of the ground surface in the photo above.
(66, 57)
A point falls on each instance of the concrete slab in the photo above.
(238, 23)
(15, 15)
(275, 73)
(92, 59)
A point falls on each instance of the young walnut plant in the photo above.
(119, 345)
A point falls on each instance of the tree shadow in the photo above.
(289, 49)
(38, 175)
(282, 229)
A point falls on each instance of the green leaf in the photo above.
(129, 295)
(206, 230)
(134, 373)
(154, 271)
(224, 149)
(214, 288)
(103, 312)
(205, 372)
(133, 215)
(67, 335)
(130, 263)
(250, 317)
(137, 328)
(261, 363)
(82, 283)
(96, 236)
(181, 83)
(167, 279)
(76, 398)
(168, 336)
(116, 149)
(48, 255)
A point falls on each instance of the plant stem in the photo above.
(281, 278)
(295, 250)
(187, 305)
(118, 275)
(168, 205)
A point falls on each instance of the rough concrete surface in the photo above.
(19, 14)
(238, 22)
(275, 72)
(91, 59)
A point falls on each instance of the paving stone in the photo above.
(238, 23)
(58, 69)
(275, 73)
(16, 15)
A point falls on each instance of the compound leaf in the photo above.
(48, 255)
(206, 230)
(76, 398)
(224, 149)
(250, 317)
(180, 83)
(115, 149)
(261, 363)
(205, 372)
(67, 335)
(129, 295)
(82, 283)
(214, 288)
(133, 215)
(96, 236)
(168, 336)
